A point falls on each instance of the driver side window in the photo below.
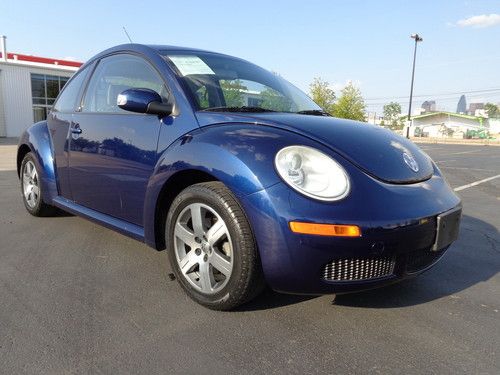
(115, 74)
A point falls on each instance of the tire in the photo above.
(31, 188)
(219, 244)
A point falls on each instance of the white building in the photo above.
(29, 86)
(445, 124)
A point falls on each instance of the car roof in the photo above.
(147, 49)
(167, 48)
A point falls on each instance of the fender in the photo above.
(38, 140)
(239, 155)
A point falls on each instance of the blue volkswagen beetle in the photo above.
(238, 174)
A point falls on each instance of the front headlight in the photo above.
(312, 173)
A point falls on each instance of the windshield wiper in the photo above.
(314, 112)
(239, 109)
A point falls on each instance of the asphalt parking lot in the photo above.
(78, 298)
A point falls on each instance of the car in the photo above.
(240, 176)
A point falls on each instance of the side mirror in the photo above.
(143, 101)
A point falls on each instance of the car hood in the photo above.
(377, 151)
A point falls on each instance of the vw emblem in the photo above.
(410, 162)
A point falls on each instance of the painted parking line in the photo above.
(463, 187)
(468, 169)
(445, 161)
(465, 152)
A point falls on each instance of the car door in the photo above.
(59, 122)
(112, 151)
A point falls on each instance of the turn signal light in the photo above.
(325, 229)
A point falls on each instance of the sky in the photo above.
(366, 42)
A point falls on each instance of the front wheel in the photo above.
(211, 247)
(31, 188)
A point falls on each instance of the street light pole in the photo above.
(417, 39)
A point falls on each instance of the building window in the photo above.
(44, 91)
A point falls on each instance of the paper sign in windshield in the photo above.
(191, 65)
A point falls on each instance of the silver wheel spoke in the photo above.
(188, 262)
(205, 277)
(221, 264)
(184, 235)
(35, 190)
(208, 264)
(197, 220)
(216, 232)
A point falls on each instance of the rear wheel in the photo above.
(32, 190)
(211, 247)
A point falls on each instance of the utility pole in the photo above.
(417, 39)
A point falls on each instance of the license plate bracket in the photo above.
(447, 227)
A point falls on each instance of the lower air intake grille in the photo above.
(421, 259)
(351, 269)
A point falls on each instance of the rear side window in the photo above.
(66, 102)
(115, 74)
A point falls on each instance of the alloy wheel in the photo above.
(203, 248)
(31, 187)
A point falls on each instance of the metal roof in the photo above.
(13, 57)
(451, 114)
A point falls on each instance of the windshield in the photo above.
(222, 83)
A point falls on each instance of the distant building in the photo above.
(462, 105)
(429, 106)
(373, 118)
(480, 113)
(417, 111)
(445, 124)
(494, 126)
(473, 107)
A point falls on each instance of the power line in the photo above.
(437, 95)
(471, 98)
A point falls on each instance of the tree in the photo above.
(273, 100)
(232, 91)
(350, 104)
(392, 116)
(492, 110)
(322, 94)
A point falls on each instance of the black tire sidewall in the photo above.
(239, 244)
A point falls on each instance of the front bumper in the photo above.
(398, 224)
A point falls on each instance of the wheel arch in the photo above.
(36, 139)
(171, 188)
(241, 156)
(22, 151)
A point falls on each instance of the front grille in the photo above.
(352, 269)
(421, 259)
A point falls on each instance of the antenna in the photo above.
(126, 33)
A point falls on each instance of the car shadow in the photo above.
(269, 299)
(60, 213)
(473, 259)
